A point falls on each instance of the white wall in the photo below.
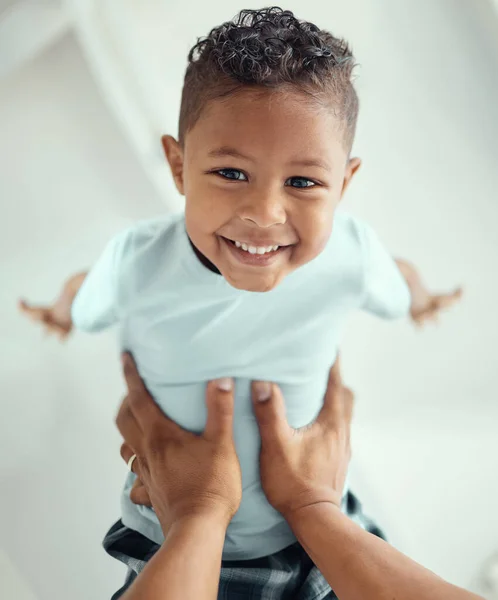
(68, 182)
(12, 583)
(426, 449)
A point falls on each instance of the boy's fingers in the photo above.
(24, 306)
(55, 328)
(269, 409)
(63, 335)
(219, 401)
(36, 313)
(447, 300)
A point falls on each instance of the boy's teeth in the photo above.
(256, 249)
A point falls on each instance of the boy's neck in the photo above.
(205, 261)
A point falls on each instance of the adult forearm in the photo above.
(359, 565)
(187, 566)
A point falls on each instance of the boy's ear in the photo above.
(353, 165)
(174, 156)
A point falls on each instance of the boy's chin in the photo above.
(255, 283)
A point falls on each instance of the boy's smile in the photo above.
(256, 254)
(263, 172)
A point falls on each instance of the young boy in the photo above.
(256, 279)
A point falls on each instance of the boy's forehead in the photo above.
(281, 123)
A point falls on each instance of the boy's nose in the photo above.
(264, 211)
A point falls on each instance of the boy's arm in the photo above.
(56, 317)
(393, 288)
(89, 301)
(425, 305)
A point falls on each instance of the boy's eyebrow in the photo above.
(310, 162)
(224, 151)
(228, 151)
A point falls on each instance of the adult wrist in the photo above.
(298, 518)
(313, 497)
(198, 525)
(214, 520)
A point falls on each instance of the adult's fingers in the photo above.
(219, 401)
(269, 410)
(134, 382)
(141, 404)
(333, 402)
(139, 494)
(348, 402)
(128, 425)
(127, 452)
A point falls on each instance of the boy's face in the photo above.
(262, 174)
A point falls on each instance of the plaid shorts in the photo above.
(285, 575)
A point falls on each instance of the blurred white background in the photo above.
(86, 89)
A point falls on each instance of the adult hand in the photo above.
(308, 466)
(185, 475)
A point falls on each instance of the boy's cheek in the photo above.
(207, 209)
(314, 228)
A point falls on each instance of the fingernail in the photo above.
(225, 384)
(262, 391)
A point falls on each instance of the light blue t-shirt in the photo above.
(186, 325)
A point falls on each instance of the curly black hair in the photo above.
(270, 48)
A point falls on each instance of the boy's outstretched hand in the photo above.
(56, 318)
(425, 305)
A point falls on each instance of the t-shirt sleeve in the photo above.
(96, 305)
(386, 292)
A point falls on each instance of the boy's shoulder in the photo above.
(146, 232)
(143, 245)
(145, 238)
(349, 235)
(145, 250)
(349, 251)
(347, 224)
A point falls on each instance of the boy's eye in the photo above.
(300, 182)
(232, 174)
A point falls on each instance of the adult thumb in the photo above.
(219, 401)
(269, 409)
